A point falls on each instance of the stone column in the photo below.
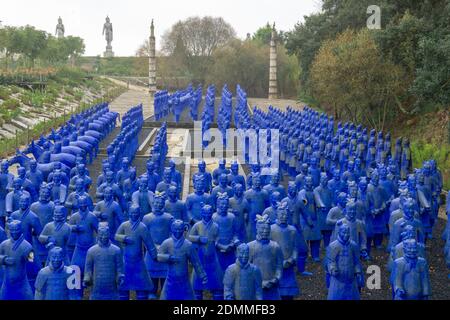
(152, 62)
(273, 84)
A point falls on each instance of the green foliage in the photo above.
(4, 93)
(441, 153)
(10, 104)
(350, 78)
(415, 36)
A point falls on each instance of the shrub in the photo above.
(4, 93)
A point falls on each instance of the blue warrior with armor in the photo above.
(323, 197)
(15, 254)
(258, 201)
(175, 206)
(143, 198)
(109, 211)
(227, 239)
(243, 280)
(344, 267)
(177, 252)
(268, 257)
(158, 224)
(285, 235)
(57, 233)
(133, 237)
(52, 282)
(104, 267)
(196, 200)
(239, 207)
(205, 234)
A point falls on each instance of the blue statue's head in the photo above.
(282, 213)
(344, 233)
(178, 228)
(238, 190)
(24, 202)
(15, 229)
(222, 203)
(243, 254)
(342, 199)
(207, 212)
(323, 179)
(60, 214)
(263, 227)
(408, 208)
(134, 213)
(103, 234)
(410, 249)
(56, 257)
(350, 210)
(159, 202)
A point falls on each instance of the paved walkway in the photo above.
(132, 98)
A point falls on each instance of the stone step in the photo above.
(19, 124)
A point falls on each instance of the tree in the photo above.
(350, 76)
(201, 36)
(264, 34)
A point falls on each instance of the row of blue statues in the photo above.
(247, 237)
(176, 103)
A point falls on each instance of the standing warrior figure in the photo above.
(268, 257)
(412, 280)
(133, 236)
(344, 267)
(104, 268)
(158, 224)
(242, 280)
(51, 282)
(15, 254)
(285, 235)
(109, 211)
(6, 182)
(60, 30)
(178, 252)
(174, 206)
(205, 234)
(196, 200)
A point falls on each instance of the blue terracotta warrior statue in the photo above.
(143, 198)
(344, 267)
(177, 252)
(175, 206)
(221, 187)
(425, 200)
(153, 177)
(219, 171)
(258, 201)
(243, 280)
(158, 224)
(275, 185)
(104, 267)
(32, 189)
(57, 233)
(239, 207)
(35, 176)
(52, 282)
(15, 254)
(13, 197)
(294, 210)
(323, 197)
(407, 219)
(164, 185)
(377, 207)
(412, 281)
(234, 177)
(202, 172)
(285, 235)
(175, 176)
(124, 173)
(196, 200)
(356, 226)
(6, 183)
(271, 211)
(58, 191)
(133, 237)
(227, 240)
(102, 177)
(308, 219)
(31, 228)
(110, 183)
(44, 209)
(83, 175)
(205, 234)
(109, 211)
(72, 202)
(268, 257)
(84, 225)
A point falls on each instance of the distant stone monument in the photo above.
(152, 62)
(60, 30)
(108, 33)
(273, 85)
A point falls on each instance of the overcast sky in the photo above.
(131, 18)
